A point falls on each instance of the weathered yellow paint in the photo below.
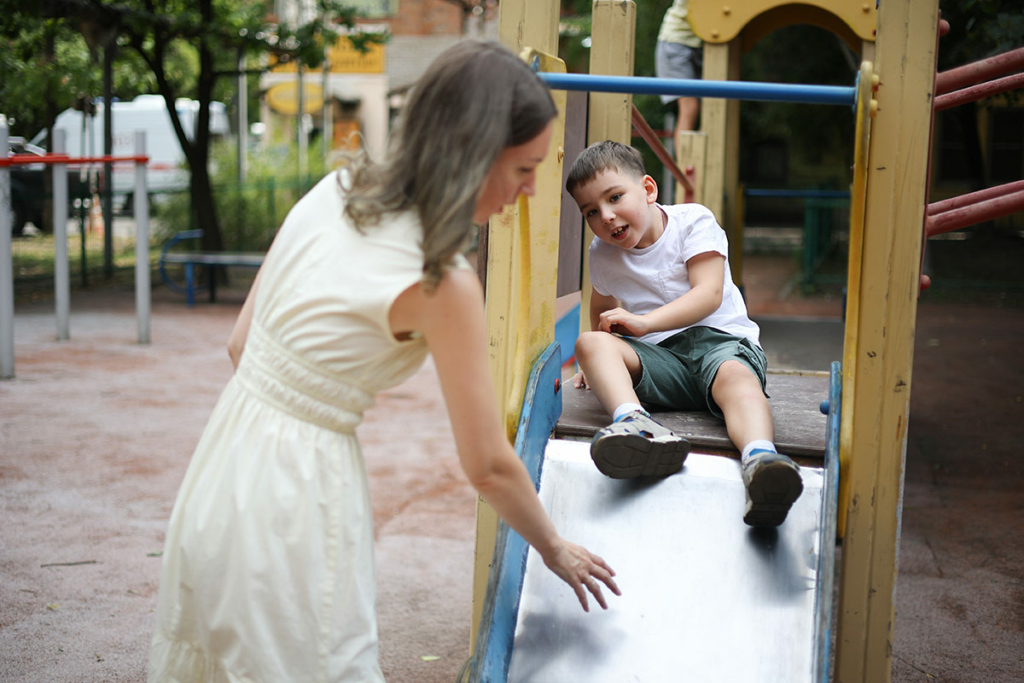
(720, 121)
(692, 150)
(886, 297)
(610, 115)
(721, 22)
(858, 199)
(522, 268)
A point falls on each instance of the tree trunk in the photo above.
(204, 207)
(202, 192)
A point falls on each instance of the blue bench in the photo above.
(207, 259)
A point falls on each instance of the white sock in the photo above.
(760, 444)
(625, 409)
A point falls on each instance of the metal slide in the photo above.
(705, 598)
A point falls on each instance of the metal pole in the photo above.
(243, 121)
(982, 70)
(978, 92)
(973, 214)
(730, 90)
(61, 276)
(6, 266)
(108, 168)
(326, 134)
(142, 287)
(300, 123)
(974, 197)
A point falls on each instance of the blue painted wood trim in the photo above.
(542, 406)
(827, 532)
(566, 330)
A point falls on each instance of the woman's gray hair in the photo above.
(475, 100)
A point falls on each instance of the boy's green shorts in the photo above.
(676, 373)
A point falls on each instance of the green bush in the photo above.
(249, 213)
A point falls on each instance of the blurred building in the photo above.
(363, 91)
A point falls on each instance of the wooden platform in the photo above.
(795, 401)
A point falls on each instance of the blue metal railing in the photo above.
(733, 90)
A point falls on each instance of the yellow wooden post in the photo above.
(720, 120)
(610, 115)
(866, 108)
(886, 301)
(522, 269)
(692, 150)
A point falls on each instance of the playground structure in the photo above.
(59, 161)
(888, 211)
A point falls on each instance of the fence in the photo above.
(826, 217)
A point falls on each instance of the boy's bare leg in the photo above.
(748, 417)
(634, 445)
(611, 366)
(772, 481)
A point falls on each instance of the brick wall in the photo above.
(426, 18)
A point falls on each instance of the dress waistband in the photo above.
(298, 387)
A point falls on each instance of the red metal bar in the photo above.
(979, 92)
(982, 70)
(975, 197)
(50, 159)
(973, 214)
(645, 131)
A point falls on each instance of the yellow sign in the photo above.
(345, 59)
(284, 98)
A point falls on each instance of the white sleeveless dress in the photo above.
(268, 570)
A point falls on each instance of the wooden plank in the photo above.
(570, 234)
(613, 31)
(897, 170)
(795, 400)
(692, 150)
(521, 272)
(720, 121)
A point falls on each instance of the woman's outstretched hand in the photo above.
(583, 571)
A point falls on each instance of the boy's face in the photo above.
(620, 209)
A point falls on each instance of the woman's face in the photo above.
(513, 173)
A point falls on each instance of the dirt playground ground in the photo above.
(96, 433)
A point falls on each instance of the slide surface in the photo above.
(705, 597)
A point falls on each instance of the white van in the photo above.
(167, 169)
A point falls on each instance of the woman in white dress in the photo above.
(268, 564)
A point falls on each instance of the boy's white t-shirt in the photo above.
(645, 279)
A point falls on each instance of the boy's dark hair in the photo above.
(602, 156)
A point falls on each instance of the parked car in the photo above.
(30, 198)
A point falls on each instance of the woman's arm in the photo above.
(452, 322)
(236, 342)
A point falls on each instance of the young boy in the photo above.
(669, 331)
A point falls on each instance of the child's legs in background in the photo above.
(611, 368)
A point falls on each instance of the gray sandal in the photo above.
(637, 446)
(773, 484)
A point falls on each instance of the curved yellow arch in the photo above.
(719, 21)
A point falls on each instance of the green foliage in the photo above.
(184, 45)
(819, 138)
(979, 29)
(251, 212)
(575, 28)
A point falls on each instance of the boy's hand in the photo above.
(621, 321)
(580, 381)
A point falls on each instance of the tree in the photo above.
(216, 32)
